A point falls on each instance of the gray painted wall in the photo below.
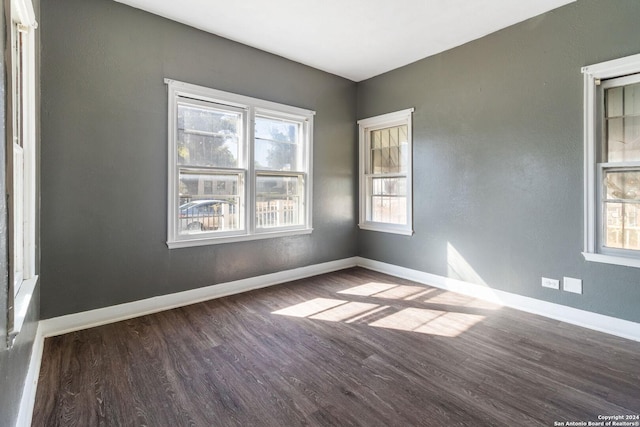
(498, 155)
(104, 151)
(14, 362)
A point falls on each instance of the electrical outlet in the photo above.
(570, 284)
(550, 283)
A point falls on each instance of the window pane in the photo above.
(208, 137)
(388, 200)
(376, 140)
(19, 72)
(632, 99)
(614, 98)
(389, 186)
(277, 144)
(19, 216)
(623, 139)
(389, 150)
(621, 225)
(622, 185)
(623, 123)
(20, 169)
(209, 202)
(378, 161)
(279, 201)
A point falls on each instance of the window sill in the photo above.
(611, 259)
(205, 241)
(386, 228)
(21, 306)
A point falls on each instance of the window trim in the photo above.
(592, 76)
(253, 107)
(22, 282)
(366, 126)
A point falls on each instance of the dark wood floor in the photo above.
(351, 348)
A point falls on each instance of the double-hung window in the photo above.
(386, 173)
(21, 163)
(612, 161)
(239, 167)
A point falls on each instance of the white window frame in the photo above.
(593, 75)
(252, 107)
(21, 163)
(366, 126)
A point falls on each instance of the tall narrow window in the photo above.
(620, 166)
(385, 173)
(209, 159)
(280, 172)
(239, 167)
(21, 163)
(612, 162)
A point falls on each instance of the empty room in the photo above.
(323, 213)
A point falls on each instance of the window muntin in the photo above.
(385, 173)
(612, 161)
(239, 167)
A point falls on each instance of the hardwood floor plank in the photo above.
(351, 348)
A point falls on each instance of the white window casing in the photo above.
(385, 180)
(236, 188)
(597, 78)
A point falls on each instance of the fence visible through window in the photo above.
(277, 213)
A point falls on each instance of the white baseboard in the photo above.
(89, 319)
(598, 322)
(28, 398)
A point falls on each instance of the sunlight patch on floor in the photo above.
(345, 311)
(424, 321)
(311, 307)
(368, 314)
(388, 291)
(447, 322)
(332, 310)
(432, 322)
(368, 289)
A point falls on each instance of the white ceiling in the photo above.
(356, 39)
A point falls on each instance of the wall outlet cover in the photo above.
(570, 284)
(550, 283)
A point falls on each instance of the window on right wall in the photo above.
(612, 161)
(386, 173)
